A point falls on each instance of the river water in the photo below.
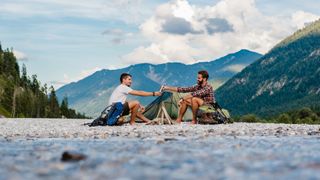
(222, 157)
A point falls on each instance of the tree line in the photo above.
(305, 115)
(22, 96)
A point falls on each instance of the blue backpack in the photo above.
(109, 116)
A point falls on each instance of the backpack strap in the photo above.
(217, 106)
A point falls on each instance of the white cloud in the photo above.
(188, 33)
(20, 55)
(118, 36)
(182, 9)
(152, 54)
(88, 72)
(129, 11)
(299, 18)
(67, 79)
(234, 68)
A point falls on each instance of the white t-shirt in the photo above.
(120, 94)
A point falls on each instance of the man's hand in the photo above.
(142, 108)
(164, 88)
(157, 93)
(168, 88)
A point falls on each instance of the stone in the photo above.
(72, 157)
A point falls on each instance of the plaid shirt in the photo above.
(205, 93)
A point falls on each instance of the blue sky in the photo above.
(64, 41)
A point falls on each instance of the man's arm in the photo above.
(202, 92)
(198, 93)
(144, 93)
(181, 89)
(175, 89)
(168, 88)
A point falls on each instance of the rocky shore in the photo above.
(66, 149)
(75, 128)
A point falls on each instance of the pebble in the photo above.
(72, 157)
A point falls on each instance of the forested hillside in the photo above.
(23, 96)
(284, 79)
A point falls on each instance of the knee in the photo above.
(134, 104)
(137, 103)
(182, 103)
(194, 100)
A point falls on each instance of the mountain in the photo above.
(90, 95)
(285, 78)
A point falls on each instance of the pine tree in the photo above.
(11, 67)
(6, 99)
(1, 59)
(35, 85)
(54, 109)
(64, 108)
(1, 51)
(1, 63)
(35, 88)
(25, 103)
(45, 102)
(24, 77)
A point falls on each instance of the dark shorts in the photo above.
(126, 109)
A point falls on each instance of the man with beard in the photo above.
(199, 94)
(120, 95)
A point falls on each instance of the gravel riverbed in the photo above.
(73, 128)
(32, 149)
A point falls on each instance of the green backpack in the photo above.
(212, 114)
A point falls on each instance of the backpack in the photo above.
(212, 114)
(109, 116)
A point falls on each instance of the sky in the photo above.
(64, 41)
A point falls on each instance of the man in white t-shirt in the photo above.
(120, 95)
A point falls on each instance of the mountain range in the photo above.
(90, 95)
(285, 78)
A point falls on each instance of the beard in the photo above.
(129, 85)
(200, 82)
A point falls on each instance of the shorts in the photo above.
(126, 109)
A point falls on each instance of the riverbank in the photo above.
(74, 129)
(33, 149)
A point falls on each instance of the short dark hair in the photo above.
(124, 76)
(204, 74)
